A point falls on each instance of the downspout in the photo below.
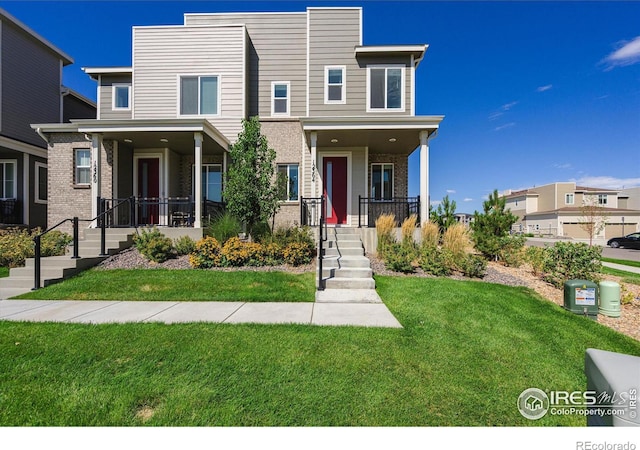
(42, 135)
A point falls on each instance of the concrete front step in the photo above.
(346, 231)
(348, 296)
(358, 272)
(6, 293)
(350, 283)
(65, 262)
(348, 262)
(26, 282)
(344, 251)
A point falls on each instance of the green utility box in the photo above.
(581, 297)
(610, 298)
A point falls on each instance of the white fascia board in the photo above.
(345, 123)
(22, 147)
(419, 48)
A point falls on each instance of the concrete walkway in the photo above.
(94, 312)
(631, 269)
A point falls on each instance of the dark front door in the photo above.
(334, 172)
(148, 190)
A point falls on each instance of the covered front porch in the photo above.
(361, 166)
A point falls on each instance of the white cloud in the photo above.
(495, 115)
(502, 127)
(467, 199)
(544, 88)
(435, 202)
(627, 54)
(562, 166)
(508, 106)
(606, 182)
(450, 191)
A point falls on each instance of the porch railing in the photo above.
(10, 211)
(369, 209)
(313, 214)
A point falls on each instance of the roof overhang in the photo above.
(142, 133)
(95, 72)
(400, 134)
(417, 51)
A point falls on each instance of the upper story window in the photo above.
(602, 199)
(200, 95)
(568, 199)
(382, 181)
(386, 88)
(82, 166)
(280, 98)
(41, 183)
(290, 171)
(334, 86)
(121, 96)
(8, 180)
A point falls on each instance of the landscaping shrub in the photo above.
(457, 243)
(54, 243)
(255, 254)
(385, 225)
(511, 250)
(399, 258)
(474, 266)
(535, 257)
(223, 227)
(430, 233)
(206, 254)
(16, 245)
(272, 254)
(571, 261)
(297, 253)
(184, 245)
(435, 261)
(154, 245)
(261, 232)
(407, 230)
(234, 253)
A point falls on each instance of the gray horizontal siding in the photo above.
(105, 91)
(161, 54)
(30, 85)
(74, 108)
(278, 52)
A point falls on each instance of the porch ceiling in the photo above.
(181, 142)
(397, 135)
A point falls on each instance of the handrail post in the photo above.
(320, 249)
(36, 281)
(359, 211)
(76, 239)
(103, 228)
(132, 211)
(418, 211)
(302, 215)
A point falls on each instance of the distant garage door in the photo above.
(574, 230)
(618, 229)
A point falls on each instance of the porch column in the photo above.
(96, 167)
(424, 176)
(197, 137)
(314, 162)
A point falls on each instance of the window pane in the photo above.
(376, 182)
(394, 88)
(335, 93)
(83, 158)
(280, 91)
(335, 76)
(83, 176)
(122, 96)
(2, 188)
(209, 95)
(377, 88)
(42, 183)
(280, 106)
(293, 182)
(282, 170)
(189, 95)
(388, 182)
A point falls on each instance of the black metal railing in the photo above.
(313, 214)
(10, 211)
(369, 209)
(37, 252)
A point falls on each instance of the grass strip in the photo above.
(4, 272)
(624, 262)
(627, 277)
(181, 285)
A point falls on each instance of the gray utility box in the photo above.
(615, 379)
(581, 297)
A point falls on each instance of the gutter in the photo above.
(42, 135)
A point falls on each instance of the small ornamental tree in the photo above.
(491, 228)
(444, 215)
(593, 217)
(252, 192)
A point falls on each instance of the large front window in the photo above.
(290, 172)
(8, 182)
(382, 181)
(386, 88)
(199, 95)
(211, 182)
(82, 166)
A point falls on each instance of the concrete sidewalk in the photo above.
(631, 269)
(94, 312)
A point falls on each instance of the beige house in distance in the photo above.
(556, 210)
(339, 114)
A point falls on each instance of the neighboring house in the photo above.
(340, 115)
(629, 198)
(464, 218)
(557, 210)
(30, 91)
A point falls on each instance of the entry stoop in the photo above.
(54, 269)
(346, 272)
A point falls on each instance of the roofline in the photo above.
(577, 210)
(65, 57)
(407, 48)
(363, 123)
(95, 72)
(79, 96)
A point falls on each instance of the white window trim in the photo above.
(343, 95)
(273, 99)
(15, 177)
(198, 75)
(603, 199)
(403, 87)
(566, 199)
(113, 96)
(36, 194)
(287, 165)
(193, 179)
(393, 180)
(76, 167)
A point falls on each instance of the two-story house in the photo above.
(340, 115)
(556, 209)
(31, 91)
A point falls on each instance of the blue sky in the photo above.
(533, 92)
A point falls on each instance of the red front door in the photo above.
(334, 171)
(148, 190)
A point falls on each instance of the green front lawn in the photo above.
(186, 285)
(4, 272)
(625, 262)
(466, 353)
(627, 277)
